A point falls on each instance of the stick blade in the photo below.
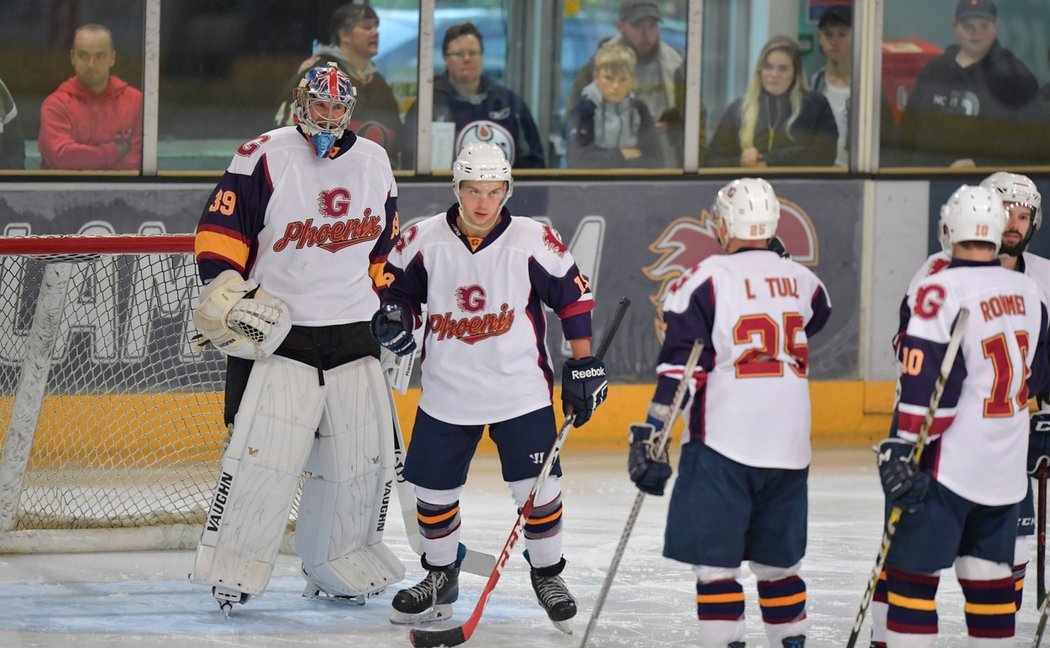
(421, 638)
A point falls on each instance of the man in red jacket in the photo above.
(94, 119)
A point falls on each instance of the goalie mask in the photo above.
(746, 209)
(1016, 189)
(973, 214)
(482, 162)
(324, 100)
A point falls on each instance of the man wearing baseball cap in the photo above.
(964, 100)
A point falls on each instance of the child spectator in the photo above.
(609, 127)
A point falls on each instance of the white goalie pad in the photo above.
(273, 434)
(239, 318)
(344, 504)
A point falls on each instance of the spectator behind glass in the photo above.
(834, 80)
(12, 146)
(93, 120)
(609, 127)
(965, 99)
(482, 110)
(354, 41)
(778, 122)
(654, 73)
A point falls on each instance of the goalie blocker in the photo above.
(336, 425)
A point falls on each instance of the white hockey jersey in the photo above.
(485, 356)
(755, 312)
(313, 232)
(981, 423)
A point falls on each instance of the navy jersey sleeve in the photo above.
(569, 296)
(231, 221)
(682, 330)
(377, 266)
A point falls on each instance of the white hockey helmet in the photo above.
(973, 214)
(746, 208)
(1017, 189)
(482, 162)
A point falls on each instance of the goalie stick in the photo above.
(1040, 549)
(632, 517)
(422, 638)
(916, 453)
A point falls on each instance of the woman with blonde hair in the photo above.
(778, 122)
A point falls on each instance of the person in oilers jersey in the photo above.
(290, 249)
(485, 277)
(741, 492)
(1023, 205)
(961, 503)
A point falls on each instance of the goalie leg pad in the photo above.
(343, 508)
(273, 433)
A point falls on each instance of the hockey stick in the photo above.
(632, 517)
(916, 454)
(1041, 626)
(1040, 549)
(473, 562)
(422, 638)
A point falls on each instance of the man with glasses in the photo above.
(480, 109)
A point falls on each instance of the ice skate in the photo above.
(227, 597)
(553, 596)
(431, 599)
(798, 641)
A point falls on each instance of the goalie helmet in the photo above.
(747, 209)
(482, 162)
(324, 100)
(973, 214)
(1017, 189)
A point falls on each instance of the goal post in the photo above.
(111, 419)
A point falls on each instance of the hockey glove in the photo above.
(390, 328)
(1038, 441)
(903, 484)
(776, 245)
(583, 387)
(648, 471)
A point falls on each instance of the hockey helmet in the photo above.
(747, 209)
(482, 162)
(973, 214)
(334, 96)
(1017, 189)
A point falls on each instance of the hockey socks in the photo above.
(720, 611)
(783, 604)
(912, 606)
(990, 608)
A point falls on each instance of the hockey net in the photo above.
(111, 419)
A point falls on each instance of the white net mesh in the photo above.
(130, 429)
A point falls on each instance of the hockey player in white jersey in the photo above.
(1023, 204)
(741, 492)
(962, 502)
(485, 277)
(291, 248)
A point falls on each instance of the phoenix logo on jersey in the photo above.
(476, 327)
(330, 237)
(553, 241)
(333, 203)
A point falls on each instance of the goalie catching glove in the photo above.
(648, 471)
(239, 318)
(903, 484)
(583, 387)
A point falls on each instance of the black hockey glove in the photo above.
(903, 484)
(648, 472)
(1038, 441)
(776, 245)
(583, 387)
(392, 331)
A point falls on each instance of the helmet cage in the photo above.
(482, 162)
(746, 209)
(318, 96)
